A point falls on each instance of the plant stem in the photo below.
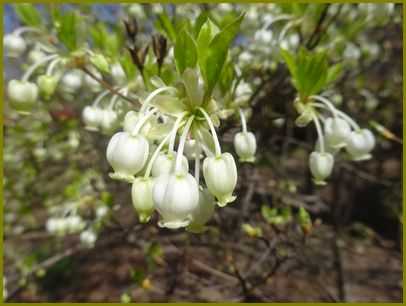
(181, 146)
(36, 65)
(243, 121)
(319, 132)
(213, 132)
(108, 86)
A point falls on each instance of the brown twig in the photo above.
(109, 87)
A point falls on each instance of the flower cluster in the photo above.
(336, 131)
(159, 174)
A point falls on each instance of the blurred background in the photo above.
(344, 246)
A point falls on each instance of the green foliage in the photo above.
(185, 51)
(212, 60)
(67, 26)
(309, 71)
(28, 14)
(109, 43)
(165, 26)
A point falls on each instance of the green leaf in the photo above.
(67, 30)
(290, 61)
(165, 25)
(28, 14)
(169, 105)
(185, 51)
(128, 65)
(333, 73)
(201, 19)
(206, 35)
(217, 53)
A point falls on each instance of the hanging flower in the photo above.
(337, 131)
(245, 145)
(220, 174)
(360, 144)
(141, 194)
(165, 163)
(127, 155)
(14, 45)
(23, 95)
(321, 166)
(175, 196)
(92, 117)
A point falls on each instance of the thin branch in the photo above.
(109, 87)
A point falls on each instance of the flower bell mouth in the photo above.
(175, 196)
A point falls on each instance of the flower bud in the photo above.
(118, 74)
(220, 174)
(337, 131)
(109, 121)
(175, 198)
(14, 45)
(165, 164)
(100, 62)
(141, 193)
(190, 148)
(127, 154)
(92, 117)
(88, 238)
(71, 81)
(306, 113)
(47, 85)
(23, 95)
(321, 166)
(245, 145)
(203, 212)
(360, 144)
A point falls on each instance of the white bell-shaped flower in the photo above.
(337, 131)
(165, 164)
(321, 166)
(47, 85)
(203, 212)
(74, 224)
(14, 45)
(220, 174)
(88, 238)
(360, 144)
(141, 194)
(245, 145)
(175, 197)
(72, 81)
(23, 95)
(109, 120)
(127, 154)
(118, 74)
(92, 117)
